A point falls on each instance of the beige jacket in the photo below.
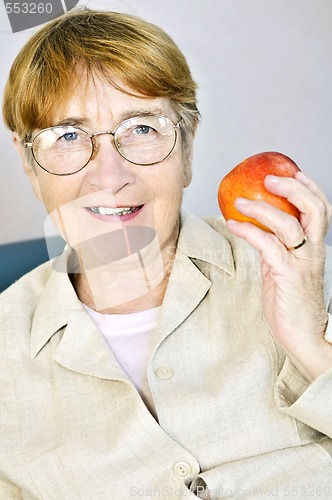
(234, 417)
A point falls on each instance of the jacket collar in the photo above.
(59, 306)
(206, 240)
(81, 348)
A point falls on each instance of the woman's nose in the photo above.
(107, 168)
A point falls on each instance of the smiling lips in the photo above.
(119, 211)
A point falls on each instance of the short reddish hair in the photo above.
(138, 53)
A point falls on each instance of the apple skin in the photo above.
(247, 180)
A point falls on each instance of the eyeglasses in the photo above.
(142, 140)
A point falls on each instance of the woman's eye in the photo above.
(69, 136)
(142, 129)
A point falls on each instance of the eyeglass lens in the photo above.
(141, 140)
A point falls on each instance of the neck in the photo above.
(122, 289)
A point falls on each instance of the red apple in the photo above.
(247, 180)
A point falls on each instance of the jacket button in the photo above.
(182, 469)
(164, 372)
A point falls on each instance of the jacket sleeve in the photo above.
(8, 491)
(309, 403)
(295, 396)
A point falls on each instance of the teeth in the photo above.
(112, 211)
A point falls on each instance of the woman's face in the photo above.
(109, 181)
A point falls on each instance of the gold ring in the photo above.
(299, 245)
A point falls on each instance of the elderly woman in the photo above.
(161, 355)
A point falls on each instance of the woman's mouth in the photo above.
(115, 211)
(123, 212)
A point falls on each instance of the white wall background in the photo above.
(264, 68)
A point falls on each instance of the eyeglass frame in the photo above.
(95, 149)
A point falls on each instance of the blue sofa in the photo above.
(16, 259)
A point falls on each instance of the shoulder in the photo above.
(209, 226)
(208, 239)
(211, 231)
(29, 287)
(218, 224)
(18, 302)
(214, 226)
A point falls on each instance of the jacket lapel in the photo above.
(61, 321)
(186, 289)
(198, 243)
(83, 349)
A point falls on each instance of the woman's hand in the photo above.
(292, 277)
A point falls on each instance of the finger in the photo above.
(286, 227)
(297, 193)
(309, 199)
(267, 244)
(299, 245)
(310, 184)
(275, 255)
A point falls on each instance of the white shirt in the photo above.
(132, 339)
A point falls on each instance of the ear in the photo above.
(28, 168)
(187, 174)
(187, 169)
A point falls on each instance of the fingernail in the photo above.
(274, 179)
(300, 175)
(241, 201)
